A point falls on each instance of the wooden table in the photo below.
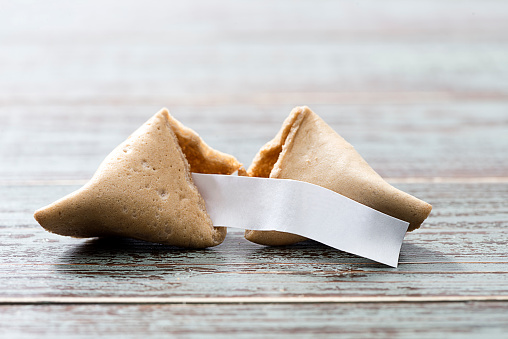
(419, 88)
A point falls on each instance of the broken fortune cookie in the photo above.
(144, 190)
(307, 149)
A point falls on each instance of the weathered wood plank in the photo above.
(426, 99)
(448, 247)
(183, 281)
(420, 89)
(461, 250)
(228, 47)
(245, 300)
(453, 320)
(412, 140)
(180, 282)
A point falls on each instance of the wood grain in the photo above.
(419, 88)
(87, 271)
(152, 50)
(399, 141)
(453, 320)
(460, 251)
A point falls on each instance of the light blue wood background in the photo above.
(420, 88)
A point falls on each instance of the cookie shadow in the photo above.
(307, 252)
(313, 252)
(411, 253)
(116, 255)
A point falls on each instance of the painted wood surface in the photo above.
(419, 88)
(450, 320)
(424, 140)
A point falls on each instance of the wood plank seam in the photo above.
(264, 263)
(249, 300)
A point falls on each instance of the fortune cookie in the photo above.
(307, 149)
(144, 190)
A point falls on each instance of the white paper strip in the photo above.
(304, 209)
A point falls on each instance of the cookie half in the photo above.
(144, 190)
(307, 149)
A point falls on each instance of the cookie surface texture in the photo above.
(307, 149)
(144, 190)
